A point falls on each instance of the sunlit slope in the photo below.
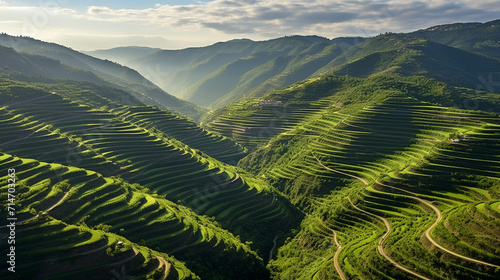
(216, 146)
(79, 197)
(52, 129)
(378, 129)
(409, 189)
(254, 122)
(442, 214)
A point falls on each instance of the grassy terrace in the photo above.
(216, 146)
(51, 249)
(253, 123)
(85, 198)
(170, 169)
(376, 140)
(460, 178)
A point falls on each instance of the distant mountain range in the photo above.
(38, 58)
(350, 158)
(216, 75)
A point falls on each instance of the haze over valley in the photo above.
(241, 153)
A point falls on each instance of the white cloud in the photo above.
(301, 16)
(220, 20)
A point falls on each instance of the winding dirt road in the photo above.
(272, 249)
(46, 210)
(380, 246)
(163, 263)
(336, 257)
(340, 172)
(439, 218)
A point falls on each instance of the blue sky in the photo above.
(114, 4)
(173, 24)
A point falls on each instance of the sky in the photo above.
(175, 24)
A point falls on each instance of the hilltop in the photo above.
(216, 75)
(345, 158)
(107, 72)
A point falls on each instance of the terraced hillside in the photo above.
(438, 220)
(394, 187)
(216, 146)
(48, 248)
(380, 176)
(28, 56)
(46, 127)
(80, 197)
(255, 122)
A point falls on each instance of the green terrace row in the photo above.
(188, 132)
(180, 174)
(86, 197)
(26, 137)
(380, 138)
(469, 226)
(253, 124)
(50, 249)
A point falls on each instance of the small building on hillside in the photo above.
(270, 102)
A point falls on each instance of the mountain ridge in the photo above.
(201, 74)
(116, 75)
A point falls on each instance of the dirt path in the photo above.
(46, 210)
(163, 263)
(439, 218)
(59, 202)
(336, 257)
(122, 275)
(380, 246)
(272, 249)
(340, 172)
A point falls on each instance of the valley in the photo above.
(299, 157)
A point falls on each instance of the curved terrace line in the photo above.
(340, 172)
(439, 218)
(380, 246)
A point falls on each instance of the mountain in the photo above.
(483, 38)
(382, 164)
(226, 71)
(385, 172)
(407, 55)
(219, 74)
(113, 74)
(123, 55)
